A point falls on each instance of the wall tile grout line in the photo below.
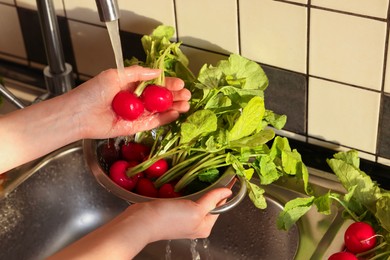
(176, 22)
(7, 4)
(349, 13)
(13, 56)
(238, 26)
(292, 3)
(382, 99)
(308, 11)
(345, 83)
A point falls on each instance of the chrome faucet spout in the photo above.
(108, 10)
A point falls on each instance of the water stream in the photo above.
(197, 247)
(113, 32)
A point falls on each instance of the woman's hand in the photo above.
(143, 223)
(180, 219)
(84, 112)
(98, 120)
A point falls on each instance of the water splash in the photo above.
(168, 251)
(194, 253)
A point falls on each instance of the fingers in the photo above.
(182, 94)
(144, 123)
(213, 198)
(137, 73)
(209, 202)
(174, 84)
(180, 106)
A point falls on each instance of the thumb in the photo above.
(212, 199)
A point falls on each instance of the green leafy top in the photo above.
(360, 188)
(363, 201)
(227, 125)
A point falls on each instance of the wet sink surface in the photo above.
(62, 202)
(57, 205)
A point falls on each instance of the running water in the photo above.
(168, 251)
(113, 32)
(194, 253)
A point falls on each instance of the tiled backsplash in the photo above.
(326, 60)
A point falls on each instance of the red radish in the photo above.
(109, 153)
(343, 256)
(359, 237)
(118, 174)
(133, 151)
(146, 187)
(157, 98)
(157, 169)
(167, 190)
(127, 105)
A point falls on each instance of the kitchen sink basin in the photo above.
(61, 201)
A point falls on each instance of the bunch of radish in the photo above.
(359, 239)
(154, 98)
(129, 155)
(151, 96)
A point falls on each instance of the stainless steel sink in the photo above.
(49, 203)
(58, 204)
(61, 201)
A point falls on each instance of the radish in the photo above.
(127, 105)
(167, 190)
(109, 153)
(146, 187)
(157, 98)
(157, 169)
(118, 175)
(133, 151)
(359, 237)
(343, 256)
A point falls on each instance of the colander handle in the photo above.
(235, 200)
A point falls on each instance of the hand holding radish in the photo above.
(98, 119)
(84, 112)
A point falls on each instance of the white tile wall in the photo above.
(143, 16)
(339, 49)
(212, 25)
(11, 39)
(384, 161)
(376, 8)
(342, 114)
(274, 33)
(198, 58)
(92, 48)
(345, 48)
(11, 2)
(85, 11)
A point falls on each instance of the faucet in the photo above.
(58, 79)
(108, 10)
(58, 74)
